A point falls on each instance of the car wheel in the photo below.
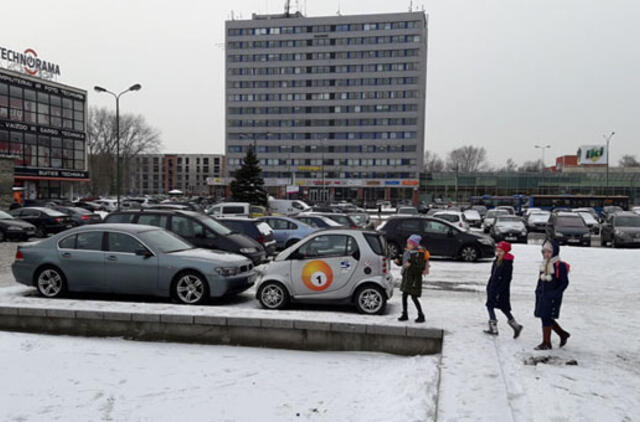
(50, 282)
(469, 253)
(273, 295)
(370, 300)
(290, 243)
(190, 288)
(393, 249)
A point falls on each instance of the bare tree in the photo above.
(433, 162)
(531, 166)
(510, 166)
(136, 137)
(629, 161)
(467, 159)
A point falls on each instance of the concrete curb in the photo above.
(239, 331)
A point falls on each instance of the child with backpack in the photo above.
(499, 290)
(414, 265)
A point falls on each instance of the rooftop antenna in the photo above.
(410, 5)
(338, 12)
(287, 8)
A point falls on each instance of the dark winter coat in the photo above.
(499, 285)
(549, 293)
(412, 276)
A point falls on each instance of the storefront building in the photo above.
(43, 128)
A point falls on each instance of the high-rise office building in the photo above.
(335, 105)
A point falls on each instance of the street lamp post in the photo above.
(608, 139)
(543, 148)
(135, 87)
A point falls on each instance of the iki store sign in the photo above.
(28, 62)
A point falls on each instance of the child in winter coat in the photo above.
(552, 282)
(414, 265)
(499, 290)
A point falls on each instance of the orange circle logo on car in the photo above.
(317, 275)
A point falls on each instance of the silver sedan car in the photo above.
(130, 259)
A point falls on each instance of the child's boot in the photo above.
(403, 317)
(420, 318)
(517, 328)
(493, 328)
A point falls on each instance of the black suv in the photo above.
(255, 229)
(197, 228)
(46, 220)
(568, 228)
(439, 237)
(621, 229)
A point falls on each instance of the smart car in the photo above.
(330, 266)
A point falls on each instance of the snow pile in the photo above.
(76, 379)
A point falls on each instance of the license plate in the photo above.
(573, 240)
(68, 226)
(511, 238)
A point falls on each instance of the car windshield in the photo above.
(472, 214)
(566, 221)
(448, 217)
(508, 220)
(495, 213)
(359, 218)
(263, 228)
(628, 221)
(54, 213)
(5, 216)
(341, 219)
(80, 210)
(165, 241)
(216, 227)
(587, 217)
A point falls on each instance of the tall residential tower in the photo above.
(335, 105)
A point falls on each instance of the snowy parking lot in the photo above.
(481, 378)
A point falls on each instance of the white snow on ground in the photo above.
(484, 378)
(47, 378)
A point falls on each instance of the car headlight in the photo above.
(558, 234)
(14, 229)
(523, 232)
(586, 234)
(227, 271)
(248, 250)
(485, 241)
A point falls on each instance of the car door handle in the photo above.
(112, 258)
(66, 255)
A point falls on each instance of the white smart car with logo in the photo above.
(330, 266)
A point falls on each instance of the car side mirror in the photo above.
(144, 253)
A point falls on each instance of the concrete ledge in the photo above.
(215, 329)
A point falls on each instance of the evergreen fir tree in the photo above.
(248, 184)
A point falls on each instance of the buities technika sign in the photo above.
(28, 62)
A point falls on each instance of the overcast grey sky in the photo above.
(501, 74)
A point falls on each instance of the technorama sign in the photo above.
(592, 155)
(28, 62)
